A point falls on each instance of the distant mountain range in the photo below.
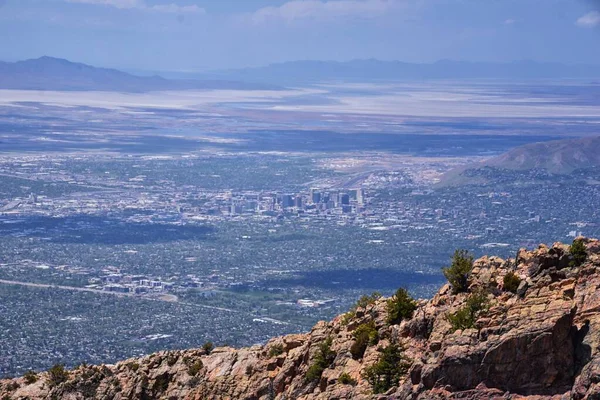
(48, 73)
(370, 70)
(559, 157)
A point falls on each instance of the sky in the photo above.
(200, 35)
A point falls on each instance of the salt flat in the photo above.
(446, 100)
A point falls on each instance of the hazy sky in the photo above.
(188, 35)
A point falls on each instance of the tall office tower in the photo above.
(298, 202)
(360, 196)
(287, 200)
(344, 199)
(315, 196)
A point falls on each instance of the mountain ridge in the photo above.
(538, 339)
(373, 69)
(50, 73)
(555, 157)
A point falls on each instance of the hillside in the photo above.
(540, 341)
(557, 157)
(48, 73)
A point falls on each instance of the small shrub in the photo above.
(348, 317)
(386, 372)
(323, 359)
(466, 316)
(458, 272)
(57, 375)
(400, 306)
(578, 253)
(249, 370)
(161, 384)
(511, 282)
(367, 300)
(195, 367)
(366, 334)
(171, 360)
(208, 347)
(346, 379)
(30, 377)
(461, 319)
(116, 385)
(314, 372)
(363, 302)
(276, 350)
(133, 366)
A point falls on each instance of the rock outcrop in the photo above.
(540, 342)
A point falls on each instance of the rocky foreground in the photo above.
(538, 341)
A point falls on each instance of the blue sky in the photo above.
(195, 35)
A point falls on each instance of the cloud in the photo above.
(174, 8)
(123, 4)
(510, 21)
(141, 5)
(322, 10)
(589, 20)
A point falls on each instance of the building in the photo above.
(287, 200)
(315, 196)
(360, 196)
(344, 199)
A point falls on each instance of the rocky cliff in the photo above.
(538, 340)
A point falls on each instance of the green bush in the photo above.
(133, 366)
(276, 350)
(367, 300)
(171, 360)
(363, 302)
(208, 347)
(57, 375)
(348, 317)
(578, 253)
(386, 372)
(30, 377)
(460, 269)
(365, 335)
(195, 367)
(511, 282)
(161, 384)
(400, 306)
(323, 359)
(346, 379)
(466, 316)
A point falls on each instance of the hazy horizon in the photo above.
(200, 35)
(292, 61)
